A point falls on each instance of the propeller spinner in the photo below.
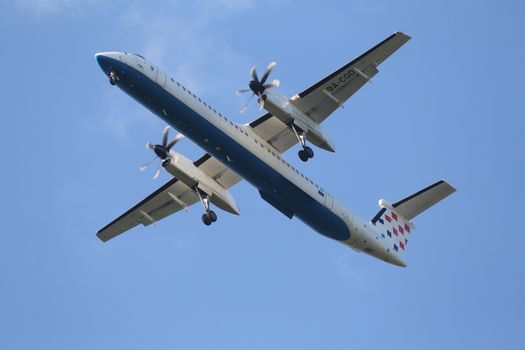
(257, 87)
(161, 150)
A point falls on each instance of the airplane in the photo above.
(254, 152)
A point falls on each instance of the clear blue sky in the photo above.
(449, 104)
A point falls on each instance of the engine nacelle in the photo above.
(280, 107)
(183, 169)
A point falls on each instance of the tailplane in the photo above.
(393, 220)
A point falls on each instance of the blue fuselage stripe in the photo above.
(245, 163)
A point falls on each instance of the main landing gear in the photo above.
(306, 153)
(113, 77)
(209, 216)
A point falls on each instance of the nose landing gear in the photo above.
(113, 77)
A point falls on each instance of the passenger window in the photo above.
(183, 88)
(178, 84)
(152, 69)
(172, 80)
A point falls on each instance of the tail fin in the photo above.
(393, 220)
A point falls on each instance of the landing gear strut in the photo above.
(306, 153)
(209, 216)
(113, 78)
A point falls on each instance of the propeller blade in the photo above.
(149, 146)
(145, 166)
(174, 141)
(273, 83)
(246, 104)
(157, 173)
(261, 102)
(242, 91)
(253, 74)
(165, 135)
(267, 72)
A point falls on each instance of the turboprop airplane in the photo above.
(254, 152)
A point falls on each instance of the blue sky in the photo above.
(449, 104)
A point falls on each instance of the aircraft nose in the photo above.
(106, 59)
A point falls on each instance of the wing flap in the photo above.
(274, 131)
(216, 170)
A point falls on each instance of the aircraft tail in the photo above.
(393, 220)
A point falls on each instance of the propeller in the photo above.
(257, 87)
(161, 150)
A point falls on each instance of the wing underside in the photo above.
(327, 95)
(168, 199)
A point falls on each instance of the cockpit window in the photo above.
(136, 54)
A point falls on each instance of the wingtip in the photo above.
(101, 237)
(408, 37)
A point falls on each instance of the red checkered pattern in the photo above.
(397, 225)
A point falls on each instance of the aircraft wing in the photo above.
(324, 97)
(168, 199)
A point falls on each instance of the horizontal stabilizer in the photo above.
(420, 201)
(393, 220)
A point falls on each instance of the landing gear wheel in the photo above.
(303, 155)
(309, 152)
(212, 216)
(206, 219)
(113, 77)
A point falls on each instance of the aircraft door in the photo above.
(328, 200)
